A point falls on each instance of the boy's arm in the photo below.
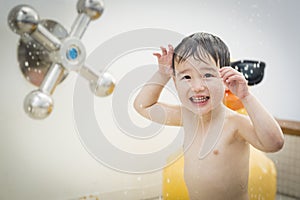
(146, 102)
(261, 130)
(266, 129)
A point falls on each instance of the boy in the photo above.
(216, 140)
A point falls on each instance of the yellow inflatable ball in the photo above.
(174, 187)
(261, 183)
(262, 176)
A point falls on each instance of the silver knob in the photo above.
(104, 86)
(38, 105)
(23, 19)
(92, 8)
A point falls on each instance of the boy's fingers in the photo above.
(171, 49)
(228, 71)
(225, 69)
(235, 79)
(158, 55)
(164, 50)
(225, 74)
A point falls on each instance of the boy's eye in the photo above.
(208, 75)
(186, 77)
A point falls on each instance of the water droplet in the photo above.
(26, 64)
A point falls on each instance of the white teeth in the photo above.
(199, 99)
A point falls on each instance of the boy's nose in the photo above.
(198, 86)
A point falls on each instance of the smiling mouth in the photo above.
(201, 99)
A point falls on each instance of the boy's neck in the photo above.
(202, 123)
(213, 115)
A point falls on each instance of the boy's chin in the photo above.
(200, 111)
(204, 111)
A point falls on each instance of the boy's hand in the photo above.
(234, 81)
(165, 60)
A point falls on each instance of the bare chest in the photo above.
(217, 163)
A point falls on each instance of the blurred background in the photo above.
(45, 159)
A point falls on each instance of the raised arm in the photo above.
(260, 129)
(146, 102)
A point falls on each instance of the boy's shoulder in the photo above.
(234, 115)
(234, 124)
(236, 119)
(231, 114)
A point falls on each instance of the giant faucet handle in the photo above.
(36, 41)
(47, 53)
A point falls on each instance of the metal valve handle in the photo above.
(47, 53)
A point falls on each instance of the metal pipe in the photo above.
(89, 74)
(46, 38)
(53, 77)
(79, 26)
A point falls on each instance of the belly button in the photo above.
(216, 151)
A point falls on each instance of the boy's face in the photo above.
(199, 85)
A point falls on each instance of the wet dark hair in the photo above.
(201, 46)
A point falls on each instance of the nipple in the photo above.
(216, 151)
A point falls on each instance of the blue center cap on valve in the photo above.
(72, 53)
